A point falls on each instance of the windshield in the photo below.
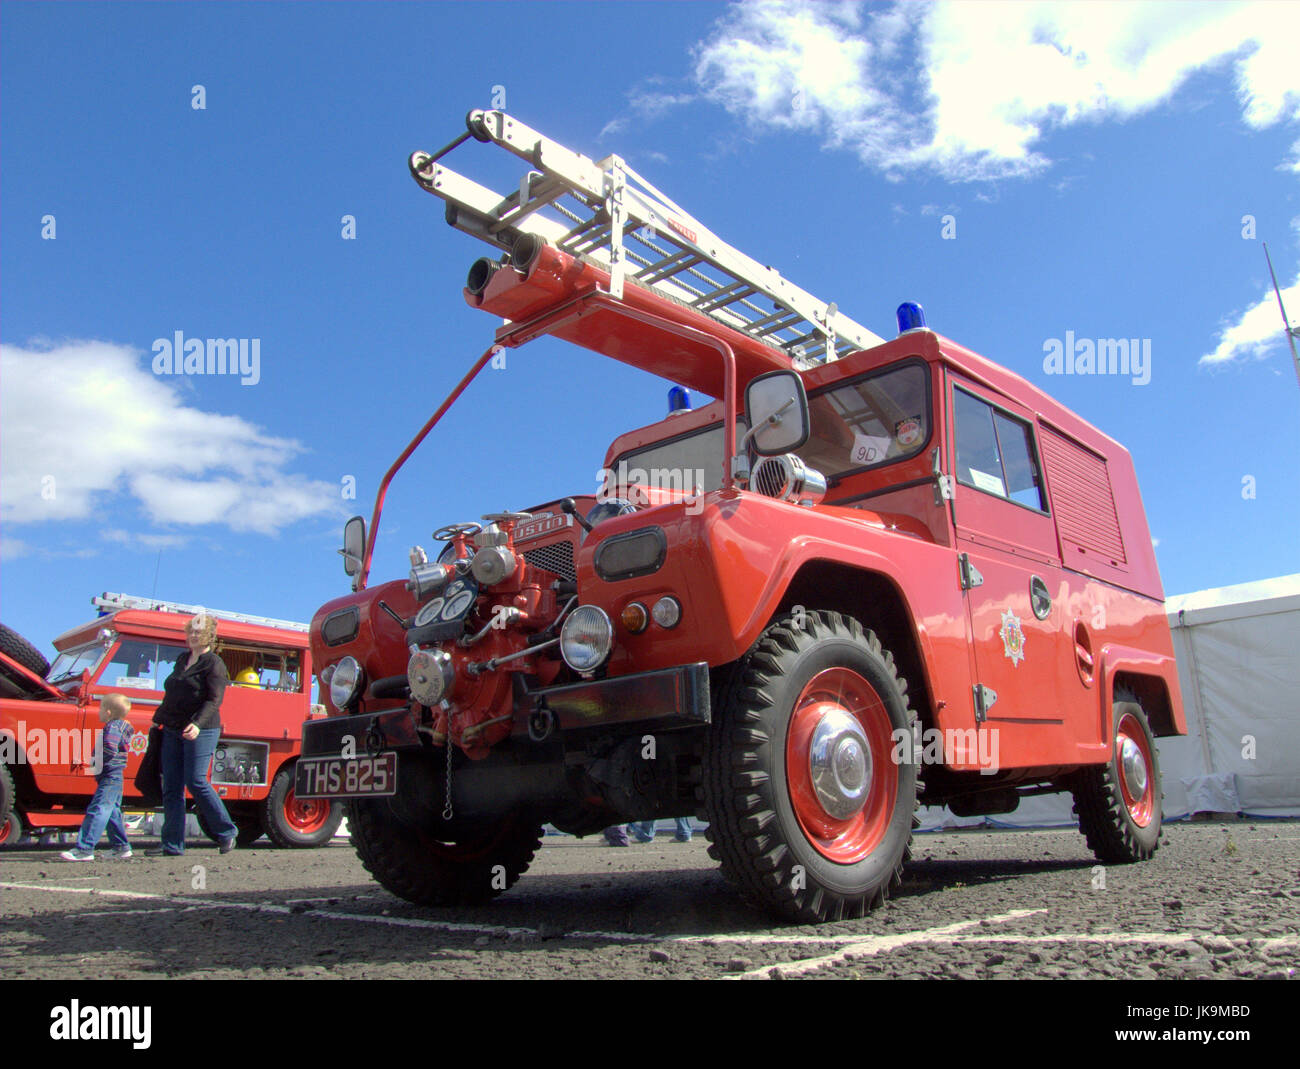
(692, 463)
(71, 663)
(874, 420)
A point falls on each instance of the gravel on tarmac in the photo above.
(1218, 901)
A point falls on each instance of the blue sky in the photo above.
(1105, 170)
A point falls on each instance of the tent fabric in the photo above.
(1238, 652)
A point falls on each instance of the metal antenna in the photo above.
(1291, 332)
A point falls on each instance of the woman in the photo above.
(191, 726)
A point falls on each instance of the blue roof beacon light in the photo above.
(679, 400)
(911, 316)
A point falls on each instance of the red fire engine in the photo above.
(871, 573)
(49, 717)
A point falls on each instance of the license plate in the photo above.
(346, 777)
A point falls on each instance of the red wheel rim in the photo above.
(6, 830)
(1141, 807)
(853, 838)
(305, 815)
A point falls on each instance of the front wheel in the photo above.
(11, 829)
(1119, 803)
(810, 779)
(474, 864)
(290, 821)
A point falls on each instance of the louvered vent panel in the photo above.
(556, 558)
(1082, 498)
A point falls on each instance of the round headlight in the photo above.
(667, 612)
(586, 638)
(345, 683)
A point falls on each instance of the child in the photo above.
(105, 809)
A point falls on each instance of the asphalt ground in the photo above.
(1218, 901)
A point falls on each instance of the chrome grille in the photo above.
(556, 558)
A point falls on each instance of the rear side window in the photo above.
(995, 452)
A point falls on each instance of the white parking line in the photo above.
(261, 907)
(848, 945)
(870, 945)
(853, 942)
(127, 912)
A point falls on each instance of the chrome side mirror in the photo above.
(354, 545)
(777, 408)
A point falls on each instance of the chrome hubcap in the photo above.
(1135, 768)
(839, 759)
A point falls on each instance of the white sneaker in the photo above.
(78, 855)
(122, 852)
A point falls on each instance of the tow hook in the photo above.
(541, 722)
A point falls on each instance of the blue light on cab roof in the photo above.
(679, 400)
(911, 316)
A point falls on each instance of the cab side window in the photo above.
(142, 665)
(995, 452)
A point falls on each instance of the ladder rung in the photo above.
(669, 266)
(787, 319)
(724, 296)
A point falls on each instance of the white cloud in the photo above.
(1258, 331)
(84, 421)
(994, 77)
(647, 104)
(144, 541)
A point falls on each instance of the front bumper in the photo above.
(668, 698)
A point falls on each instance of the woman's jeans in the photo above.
(185, 765)
(104, 811)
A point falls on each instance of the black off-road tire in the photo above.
(755, 825)
(7, 794)
(421, 869)
(11, 829)
(248, 825)
(1115, 823)
(295, 824)
(12, 644)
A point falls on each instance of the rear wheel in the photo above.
(248, 828)
(414, 865)
(1119, 803)
(6, 791)
(11, 829)
(13, 645)
(290, 821)
(810, 779)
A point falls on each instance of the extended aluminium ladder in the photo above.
(611, 215)
(108, 603)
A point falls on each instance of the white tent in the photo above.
(1238, 651)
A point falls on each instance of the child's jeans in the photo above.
(104, 811)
